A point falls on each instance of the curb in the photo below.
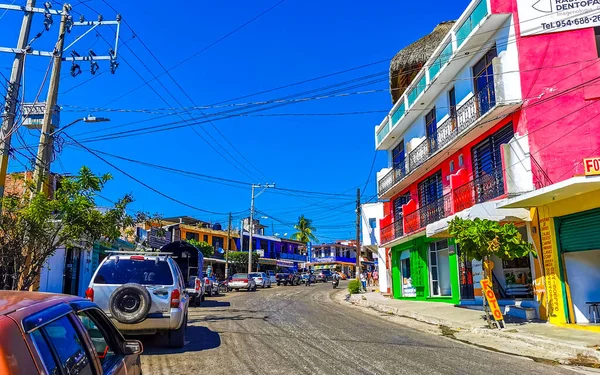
(572, 351)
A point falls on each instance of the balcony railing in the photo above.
(448, 131)
(392, 231)
(481, 189)
(397, 173)
(434, 211)
(298, 257)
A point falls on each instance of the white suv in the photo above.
(143, 293)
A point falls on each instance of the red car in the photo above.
(46, 333)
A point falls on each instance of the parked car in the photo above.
(195, 290)
(242, 281)
(261, 279)
(324, 275)
(287, 278)
(143, 294)
(211, 285)
(46, 333)
(272, 276)
(307, 276)
(190, 261)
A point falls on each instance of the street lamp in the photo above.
(89, 118)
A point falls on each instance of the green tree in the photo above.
(32, 226)
(481, 238)
(305, 231)
(205, 248)
(238, 261)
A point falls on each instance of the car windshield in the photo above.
(255, 275)
(240, 276)
(124, 271)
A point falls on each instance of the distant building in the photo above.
(372, 213)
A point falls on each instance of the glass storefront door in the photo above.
(439, 269)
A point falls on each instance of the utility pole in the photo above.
(358, 250)
(227, 248)
(12, 94)
(44, 154)
(251, 226)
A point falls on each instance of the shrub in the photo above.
(354, 286)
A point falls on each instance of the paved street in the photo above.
(299, 330)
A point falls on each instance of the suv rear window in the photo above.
(123, 271)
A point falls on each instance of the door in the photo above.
(71, 276)
(398, 160)
(483, 75)
(431, 207)
(487, 165)
(452, 107)
(439, 269)
(431, 127)
(398, 215)
(467, 290)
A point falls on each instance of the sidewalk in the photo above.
(538, 340)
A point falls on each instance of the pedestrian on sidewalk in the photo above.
(376, 278)
(369, 278)
(363, 280)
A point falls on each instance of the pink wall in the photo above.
(559, 102)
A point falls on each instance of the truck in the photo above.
(191, 261)
(287, 277)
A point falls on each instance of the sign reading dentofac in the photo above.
(551, 16)
(491, 298)
(591, 166)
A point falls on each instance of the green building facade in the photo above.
(426, 269)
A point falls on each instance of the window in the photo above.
(217, 242)
(99, 339)
(430, 189)
(461, 161)
(70, 351)
(192, 236)
(431, 128)
(451, 166)
(205, 238)
(373, 223)
(45, 353)
(439, 269)
(123, 271)
(597, 36)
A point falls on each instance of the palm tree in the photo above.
(305, 231)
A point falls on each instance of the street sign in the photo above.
(309, 252)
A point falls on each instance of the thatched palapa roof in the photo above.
(407, 63)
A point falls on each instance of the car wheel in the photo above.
(210, 292)
(202, 298)
(177, 337)
(269, 285)
(197, 301)
(278, 284)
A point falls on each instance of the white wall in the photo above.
(51, 276)
(583, 273)
(517, 164)
(371, 211)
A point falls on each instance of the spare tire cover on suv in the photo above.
(130, 303)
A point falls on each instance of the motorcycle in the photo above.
(335, 282)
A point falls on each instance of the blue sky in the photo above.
(287, 145)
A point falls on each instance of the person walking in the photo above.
(369, 278)
(363, 280)
(376, 278)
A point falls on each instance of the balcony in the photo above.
(397, 173)
(473, 30)
(479, 190)
(296, 257)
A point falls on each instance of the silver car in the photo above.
(242, 281)
(261, 279)
(143, 293)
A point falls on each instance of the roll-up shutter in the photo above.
(580, 232)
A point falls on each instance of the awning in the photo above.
(487, 210)
(555, 192)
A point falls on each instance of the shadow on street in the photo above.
(211, 303)
(197, 339)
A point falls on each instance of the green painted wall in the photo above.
(419, 265)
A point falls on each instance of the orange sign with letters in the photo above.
(591, 166)
(491, 298)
